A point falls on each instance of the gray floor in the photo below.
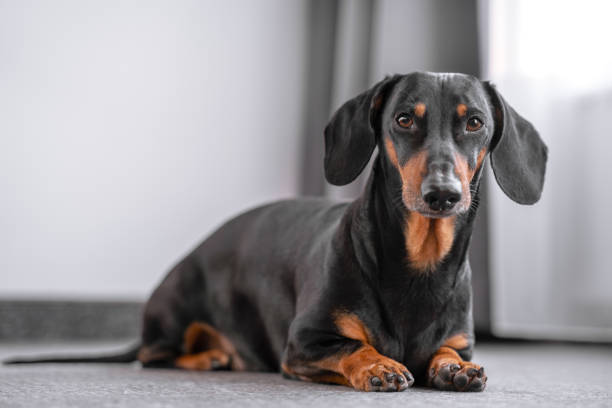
(519, 375)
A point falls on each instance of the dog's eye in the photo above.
(404, 120)
(473, 124)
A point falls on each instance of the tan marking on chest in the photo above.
(428, 240)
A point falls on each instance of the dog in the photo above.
(371, 294)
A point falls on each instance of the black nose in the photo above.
(442, 199)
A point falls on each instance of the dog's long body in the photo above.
(372, 293)
(270, 276)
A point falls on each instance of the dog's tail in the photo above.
(126, 356)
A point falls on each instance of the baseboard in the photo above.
(39, 320)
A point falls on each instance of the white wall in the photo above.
(131, 129)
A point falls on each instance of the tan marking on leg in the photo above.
(352, 327)
(201, 337)
(448, 371)
(457, 342)
(331, 378)
(428, 240)
(360, 366)
(357, 368)
(326, 377)
(203, 361)
(445, 354)
(419, 110)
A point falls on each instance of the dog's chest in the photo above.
(410, 331)
(413, 346)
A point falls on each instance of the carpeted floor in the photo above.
(520, 375)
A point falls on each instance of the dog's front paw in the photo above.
(383, 376)
(457, 376)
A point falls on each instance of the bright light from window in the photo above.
(569, 43)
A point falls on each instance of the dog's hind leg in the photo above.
(204, 361)
(205, 348)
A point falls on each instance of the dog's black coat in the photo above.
(272, 279)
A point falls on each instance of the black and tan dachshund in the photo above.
(370, 294)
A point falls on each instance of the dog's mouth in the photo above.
(418, 205)
(438, 214)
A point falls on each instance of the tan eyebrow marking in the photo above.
(461, 110)
(419, 110)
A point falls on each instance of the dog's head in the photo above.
(434, 131)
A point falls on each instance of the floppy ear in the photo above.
(518, 155)
(350, 136)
